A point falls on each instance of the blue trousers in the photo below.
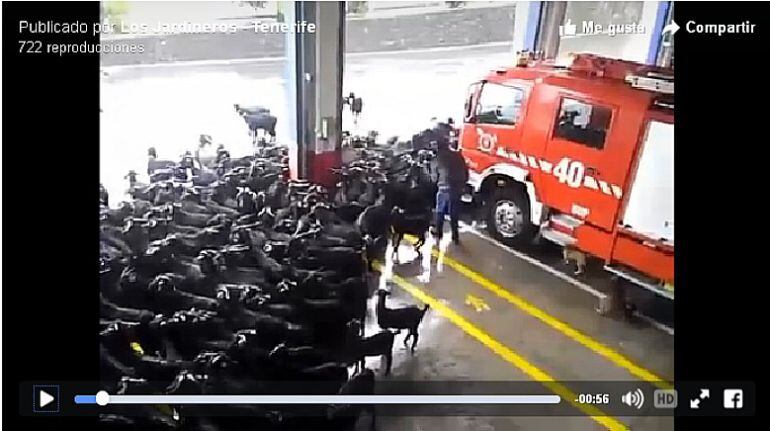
(447, 203)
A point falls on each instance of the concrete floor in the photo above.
(446, 351)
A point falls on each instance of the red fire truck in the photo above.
(582, 155)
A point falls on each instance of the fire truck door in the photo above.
(582, 180)
(468, 135)
(492, 125)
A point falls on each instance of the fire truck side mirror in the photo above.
(467, 110)
(470, 115)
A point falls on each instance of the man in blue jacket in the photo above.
(452, 173)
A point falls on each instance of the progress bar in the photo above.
(102, 398)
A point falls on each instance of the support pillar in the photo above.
(551, 18)
(288, 129)
(330, 60)
(318, 60)
(660, 46)
(525, 25)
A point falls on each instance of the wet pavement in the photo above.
(650, 307)
(545, 323)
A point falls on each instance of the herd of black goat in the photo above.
(233, 278)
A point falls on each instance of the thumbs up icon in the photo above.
(568, 29)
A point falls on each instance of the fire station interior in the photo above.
(564, 267)
(503, 310)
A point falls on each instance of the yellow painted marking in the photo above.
(165, 409)
(477, 303)
(137, 348)
(507, 354)
(581, 338)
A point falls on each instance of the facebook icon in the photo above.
(733, 399)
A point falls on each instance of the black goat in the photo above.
(403, 223)
(359, 348)
(248, 281)
(408, 318)
(345, 417)
(250, 110)
(302, 356)
(261, 121)
(185, 218)
(375, 220)
(110, 310)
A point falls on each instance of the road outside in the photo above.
(164, 30)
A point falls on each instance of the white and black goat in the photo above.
(408, 318)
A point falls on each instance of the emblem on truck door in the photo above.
(486, 141)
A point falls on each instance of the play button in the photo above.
(45, 398)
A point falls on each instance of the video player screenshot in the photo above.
(382, 215)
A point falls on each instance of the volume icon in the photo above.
(634, 398)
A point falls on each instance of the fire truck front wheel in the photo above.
(508, 218)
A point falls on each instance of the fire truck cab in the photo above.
(581, 155)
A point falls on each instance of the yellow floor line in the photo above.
(581, 338)
(506, 353)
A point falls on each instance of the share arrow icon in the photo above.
(671, 28)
